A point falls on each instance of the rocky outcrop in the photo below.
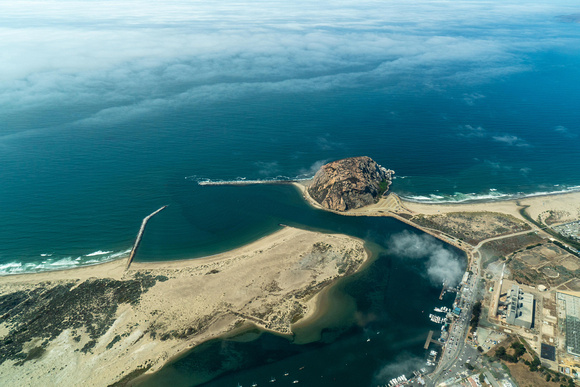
(350, 183)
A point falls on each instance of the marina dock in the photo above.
(140, 235)
(442, 293)
(430, 340)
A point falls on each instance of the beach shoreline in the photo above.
(559, 201)
(161, 310)
(557, 208)
(562, 201)
(274, 264)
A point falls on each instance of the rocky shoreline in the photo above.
(350, 183)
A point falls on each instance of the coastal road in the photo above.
(455, 345)
(453, 348)
(454, 354)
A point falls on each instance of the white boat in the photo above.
(296, 381)
(272, 379)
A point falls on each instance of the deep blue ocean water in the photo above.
(79, 189)
(110, 110)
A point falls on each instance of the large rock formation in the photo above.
(350, 183)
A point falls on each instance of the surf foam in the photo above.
(493, 195)
(61, 263)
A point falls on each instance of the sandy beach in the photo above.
(562, 207)
(99, 324)
(565, 207)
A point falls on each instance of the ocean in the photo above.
(110, 110)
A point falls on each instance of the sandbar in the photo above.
(96, 325)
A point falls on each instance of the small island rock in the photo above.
(350, 183)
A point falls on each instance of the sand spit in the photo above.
(555, 208)
(94, 326)
(468, 225)
(563, 207)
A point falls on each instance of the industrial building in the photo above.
(520, 309)
(571, 306)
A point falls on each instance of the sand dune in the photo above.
(96, 325)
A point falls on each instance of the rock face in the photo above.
(350, 183)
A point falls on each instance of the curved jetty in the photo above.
(140, 235)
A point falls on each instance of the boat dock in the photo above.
(442, 292)
(430, 340)
(140, 235)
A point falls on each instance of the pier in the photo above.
(430, 340)
(140, 235)
(245, 182)
(442, 292)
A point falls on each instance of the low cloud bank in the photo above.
(442, 264)
(160, 56)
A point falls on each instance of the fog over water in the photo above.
(122, 59)
(111, 109)
(443, 264)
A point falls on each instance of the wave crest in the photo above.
(492, 195)
(60, 263)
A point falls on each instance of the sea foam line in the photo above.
(63, 263)
(493, 195)
(99, 252)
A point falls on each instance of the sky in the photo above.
(121, 59)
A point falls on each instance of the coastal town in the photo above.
(513, 320)
(516, 316)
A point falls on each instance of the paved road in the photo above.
(491, 379)
(458, 331)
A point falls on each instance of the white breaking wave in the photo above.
(493, 195)
(10, 266)
(60, 263)
(98, 253)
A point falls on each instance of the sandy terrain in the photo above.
(470, 223)
(169, 308)
(563, 207)
(566, 206)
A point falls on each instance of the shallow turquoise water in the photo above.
(109, 111)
